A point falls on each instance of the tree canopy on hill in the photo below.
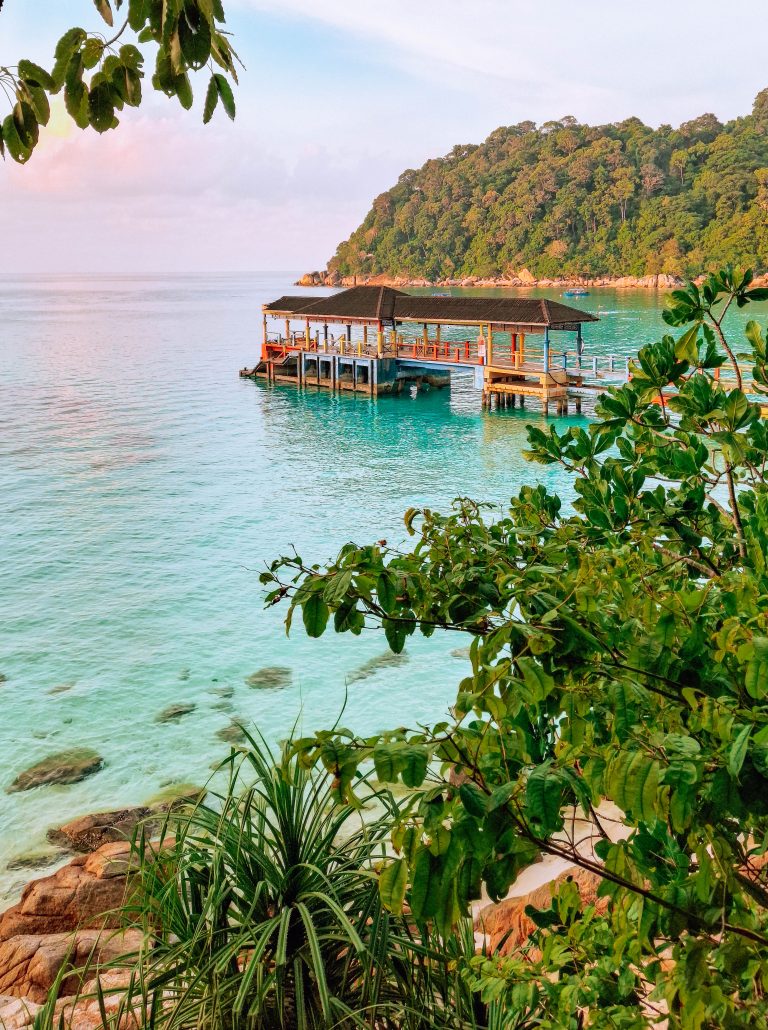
(571, 199)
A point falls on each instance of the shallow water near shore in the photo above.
(143, 486)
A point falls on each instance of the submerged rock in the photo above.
(3, 678)
(173, 795)
(174, 712)
(65, 767)
(184, 673)
(34, 860)
(460, 652)
(271, 677)
(232, 734)
(223, 691)
(61, 688)
(387, 660)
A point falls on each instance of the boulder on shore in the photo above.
(17, 1013)
(75, 897)
(507, 926)
(30, 963)
(64, 767)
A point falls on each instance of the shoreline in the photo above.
(521, 280)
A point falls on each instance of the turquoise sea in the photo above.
(143, 486)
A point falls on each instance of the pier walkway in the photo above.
(379, 340)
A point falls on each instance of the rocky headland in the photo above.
(522, 279)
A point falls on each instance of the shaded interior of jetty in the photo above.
(378, 340)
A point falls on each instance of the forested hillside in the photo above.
(571, 199)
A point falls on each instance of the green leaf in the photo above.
(38, 99)
(92, 52)
(18, 150)
(738, 750)
(395, 633)
(211, 100)
(687, 348)
(425, 886)
(413, 765)
(386, 763)
(66, 48)
(473, 799)
(386, 591)
(226, 94)
(101, 110)
(315, 613)
(393, 880)
(138, 12)
(31, 72)
(194, 36)
(26, 124)
(105, 10)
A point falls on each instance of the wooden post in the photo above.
(425, 338)
(365, 335)
(287, 332)
(522, 350)
(380, 341)
(393, 341)
(306, 334)
(546, 349)
(264, 339)
(490, 345)
(437, 337)
(580, 346)
(325, 336)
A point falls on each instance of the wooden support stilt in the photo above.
(288, 331)
(578, 405)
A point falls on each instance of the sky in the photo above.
(337, 98)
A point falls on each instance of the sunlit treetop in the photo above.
(101, 72)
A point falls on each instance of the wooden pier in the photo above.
(377, 340)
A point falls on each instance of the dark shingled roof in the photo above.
(385, 304)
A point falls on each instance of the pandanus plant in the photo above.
(261, 909)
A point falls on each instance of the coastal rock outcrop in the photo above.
(521, 279)
(64, 767)
(75, 897)
(90, 832)
(30, 963)
(17, 1013)
(505, 925)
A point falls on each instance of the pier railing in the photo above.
(526, 356)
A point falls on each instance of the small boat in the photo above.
(576, 293)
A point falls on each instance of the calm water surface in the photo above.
(143, 486)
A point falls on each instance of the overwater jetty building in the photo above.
(375, 339)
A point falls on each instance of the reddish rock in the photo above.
(17, 1013)
(84, 1013)
(507, 919)
(30, 963)
(74, 897)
